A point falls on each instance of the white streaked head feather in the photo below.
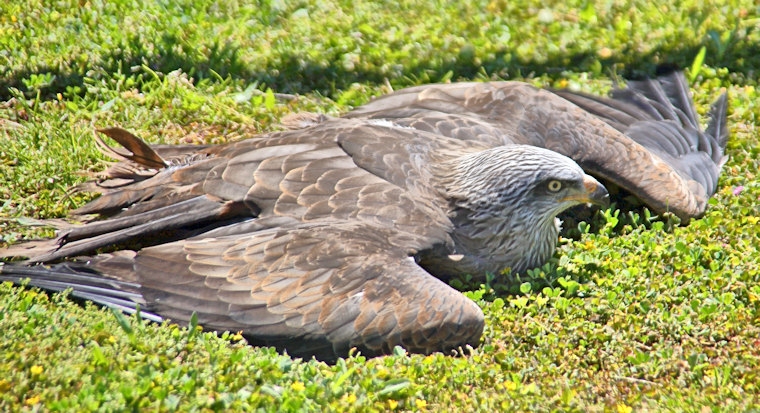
(502, 216)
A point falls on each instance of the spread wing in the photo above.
(315, 289)
(645, 138)
(659, 115)
(340, 170)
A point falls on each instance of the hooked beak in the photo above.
(593, 193)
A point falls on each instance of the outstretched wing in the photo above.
(315, 289)
(341, 169)
(659, 115)
(645, 139)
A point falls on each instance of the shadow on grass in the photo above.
(296, 75)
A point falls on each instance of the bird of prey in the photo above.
(339, 234)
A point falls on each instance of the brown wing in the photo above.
(340, 169)
(659, 115)
(650, 144)
(316, 289)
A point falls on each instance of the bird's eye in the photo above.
(554, 185)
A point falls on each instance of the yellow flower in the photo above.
(622, 408)
(32, 400)
(510, 385)
(36, 370)
(351, 398)
(297, 386)
(421, 404)
(238, 336)
(392, 404)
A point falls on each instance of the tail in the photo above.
(84, 283)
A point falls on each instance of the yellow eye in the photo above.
(554, 186)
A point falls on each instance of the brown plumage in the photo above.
(333, 236)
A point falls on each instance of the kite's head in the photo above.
(506, 199)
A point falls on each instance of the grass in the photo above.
(639, 315)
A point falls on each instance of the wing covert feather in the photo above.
(342, 284)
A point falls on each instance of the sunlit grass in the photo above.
(639, 315)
